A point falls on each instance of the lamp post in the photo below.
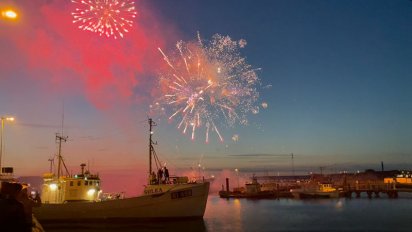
(237, 174)
(199, 167)
(2, 118)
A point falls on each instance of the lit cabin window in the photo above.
(79, 183)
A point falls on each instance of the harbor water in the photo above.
(363, 214)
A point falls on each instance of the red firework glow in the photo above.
(63, 58)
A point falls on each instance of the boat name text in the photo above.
(155, 190)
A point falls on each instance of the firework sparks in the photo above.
(106, 17)
(207, 84)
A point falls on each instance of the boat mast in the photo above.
(51, 160)
(60, 138)
(151, 148)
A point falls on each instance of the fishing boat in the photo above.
(78, 198)
(251, 190)
(318, 190)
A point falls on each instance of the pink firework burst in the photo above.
(106, 17)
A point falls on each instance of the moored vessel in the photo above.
(318, 190)
(251, 190)
(78, 198)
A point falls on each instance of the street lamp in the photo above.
(2, 118)
(9, 14)
(237, 174)
(199, 170)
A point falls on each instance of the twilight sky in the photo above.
(336, 76)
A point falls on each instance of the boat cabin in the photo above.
(81, 187)
(326, 187)
(253, 187)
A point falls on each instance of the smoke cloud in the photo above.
(45, 46)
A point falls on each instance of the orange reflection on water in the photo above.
(224, 214)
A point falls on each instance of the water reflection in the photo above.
(276, 215)
(223, 214)
(153, 226)
(308, 215)
(237, 226)
(339, 205)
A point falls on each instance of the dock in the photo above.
(373, 184)
(374, 189)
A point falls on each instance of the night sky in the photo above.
(336, 76)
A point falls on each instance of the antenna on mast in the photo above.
(152, 152)
(51, 160)
(151, 148)
(59, 139)
(62, 117)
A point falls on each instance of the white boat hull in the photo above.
(174, 203)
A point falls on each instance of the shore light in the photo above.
(91, 192)
(53, 187)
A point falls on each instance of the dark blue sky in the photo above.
(340, 72)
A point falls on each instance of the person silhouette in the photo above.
(166, 175)
(160, 176)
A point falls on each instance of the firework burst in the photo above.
(207, 84)
(106, 17)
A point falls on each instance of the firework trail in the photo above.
(106, 17)
(207, 84)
